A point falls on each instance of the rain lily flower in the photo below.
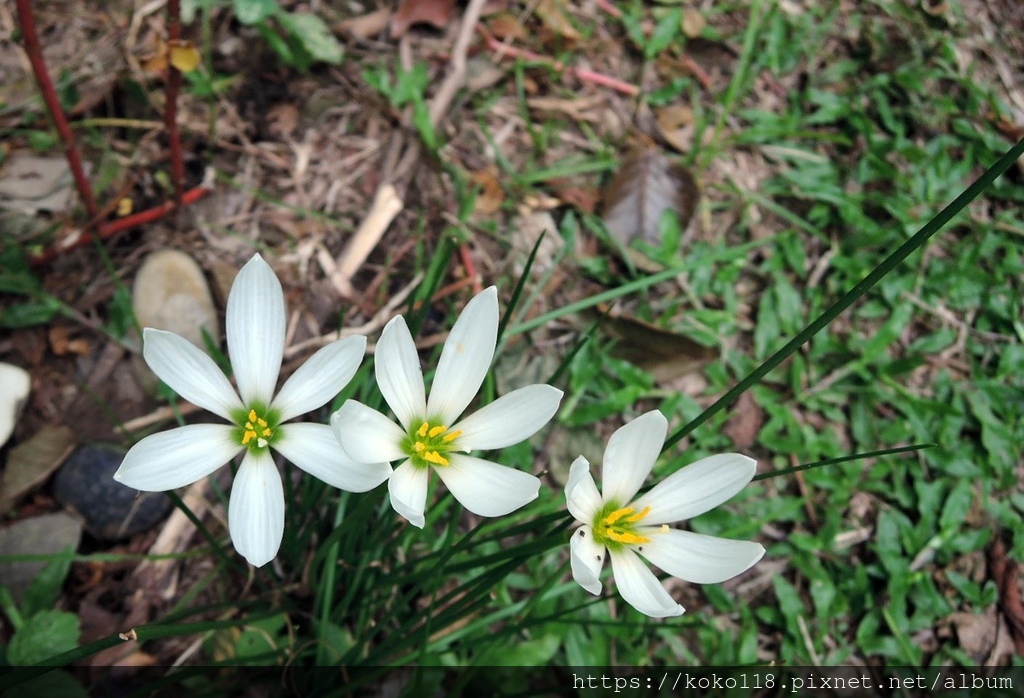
(429, 437)
(613, 522)
(255, 333)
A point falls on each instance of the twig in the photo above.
(456, 76)
(386, 206)
(171, 90)
(108, 230)
(35, 55)
(583, 74)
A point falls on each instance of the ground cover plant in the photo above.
(747, 229)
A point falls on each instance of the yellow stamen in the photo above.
(617, 514)
(437, 430)
(624, 533)
(258, 428)
(626, 537)
(435, 458)
(423, 429)
(637, 517)
(448, 438)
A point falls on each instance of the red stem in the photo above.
(35, 56)
(108, 230)
(171, 108)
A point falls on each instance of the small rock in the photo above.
(171, 293)
(85, 484)
(14, 386)
(41, 535)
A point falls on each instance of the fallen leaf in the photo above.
(183, 55)
(29, 184)
(692, 23)
(504, 26)
(365, 26)
(436, 13)
(664, 354)
(581, 198)
(491, 194)
(645, 186)
(554, 18)
(32, 462)
(977, 633)
(675, 124)
(745, 423)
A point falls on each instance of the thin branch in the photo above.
(582, 74)
(35, 55)
(109, 230)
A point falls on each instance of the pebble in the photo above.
(109, 510)
(40, 535)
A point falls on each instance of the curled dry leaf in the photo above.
(666, 355)
(436, 13)
(645, 186)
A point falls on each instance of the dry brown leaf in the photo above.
(693, 22)
(646, 185)
(745, 423)
(32, 462)
(675, 124)
(365, 26)
(552, 14)
(665, 355)
(491, 194)
(505, 27)
(183, 55)
(436, 13)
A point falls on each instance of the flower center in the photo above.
(616, 526)
(428, 444)
(256, 429)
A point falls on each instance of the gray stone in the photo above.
(110, 511)
(40, 535)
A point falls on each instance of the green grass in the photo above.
(860, 309)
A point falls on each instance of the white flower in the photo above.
(255, 332)
(429, 436)
(612, 523)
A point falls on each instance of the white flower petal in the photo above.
(397, 366)
(178, 457)
(189, 372)
(366, 435)
(697, 488)
(255, 327)
(581, 495)
(407, 488)
(586, 557)
(486, 488)
(630, 455)
(256, 509)
(510, 419)
(698, 558)
(320, 378)
(313, 448)
(465, 358)
(640, 588)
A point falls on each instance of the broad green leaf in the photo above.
(44, 635)
(254, 11)
(313, 34)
